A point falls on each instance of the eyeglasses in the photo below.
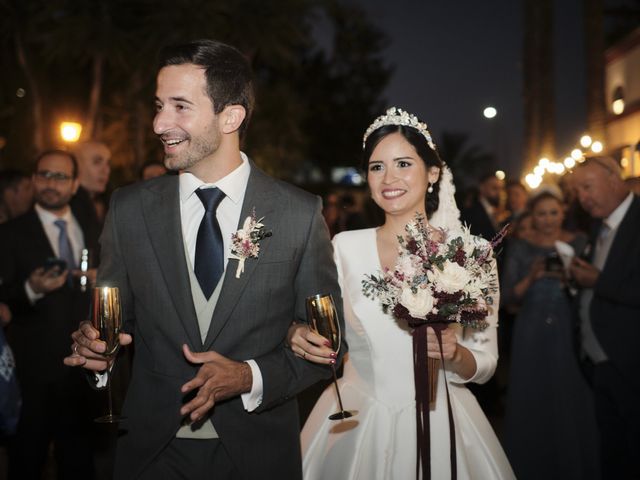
(56, 176)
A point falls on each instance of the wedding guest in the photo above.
(610, 309)
(16, 192)
(94, 169)
(517, 197)
(47, 306)
(212, 394)
(634, 184)
(331, 212)
(548, 405)
(10, 401)
(405, 175)
(482, 214)
(522, 227)
(576, 218)
(152, 169)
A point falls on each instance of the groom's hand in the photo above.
(219, 378)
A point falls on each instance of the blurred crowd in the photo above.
(549, 393)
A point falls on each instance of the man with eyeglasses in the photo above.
(39, 252)
(610, 311)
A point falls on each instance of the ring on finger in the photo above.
(75, 349)
(304, 354)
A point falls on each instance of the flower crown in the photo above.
(397, 116)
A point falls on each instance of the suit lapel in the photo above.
(161, 208)
(260, 195)
(39, 235)
(620, 248)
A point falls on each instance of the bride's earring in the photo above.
(430, 189)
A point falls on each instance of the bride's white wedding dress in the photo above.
(380, 441)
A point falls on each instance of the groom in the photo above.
(213, 386)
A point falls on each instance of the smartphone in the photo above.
(552, 263)
(55, 263)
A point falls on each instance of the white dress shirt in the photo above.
(234, 186)
(74, 232)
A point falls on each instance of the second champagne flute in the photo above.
(323, 319)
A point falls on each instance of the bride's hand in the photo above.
(449, 344)
(309, 345)
(459, 359)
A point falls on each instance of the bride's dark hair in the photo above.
(430, 157)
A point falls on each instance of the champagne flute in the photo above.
(323, 319)
(106, 317)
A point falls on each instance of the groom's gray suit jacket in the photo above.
(143, 254)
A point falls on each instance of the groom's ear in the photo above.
(231, 118)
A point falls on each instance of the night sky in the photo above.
(454, 58)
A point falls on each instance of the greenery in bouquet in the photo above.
(439, 277)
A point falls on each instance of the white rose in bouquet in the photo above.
(451, 279)
(419, 303)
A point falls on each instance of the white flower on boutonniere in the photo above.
(245, 243)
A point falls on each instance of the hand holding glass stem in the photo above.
(323, 320)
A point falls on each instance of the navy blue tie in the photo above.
(209, 261)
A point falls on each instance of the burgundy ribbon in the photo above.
(420, 366)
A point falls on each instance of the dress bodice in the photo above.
(380, 349)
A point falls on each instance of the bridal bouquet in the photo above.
(437, 282)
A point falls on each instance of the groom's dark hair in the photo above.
(228, 73)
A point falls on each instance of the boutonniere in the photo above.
(245, 243)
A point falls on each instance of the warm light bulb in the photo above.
(597, 147)
(569, 162)
(70, 131)
(585, 141)
(618, 106)
(576, 154)
(500, 175)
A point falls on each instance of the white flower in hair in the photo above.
(397, 116)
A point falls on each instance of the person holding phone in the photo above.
(545, 379)
(39, 253)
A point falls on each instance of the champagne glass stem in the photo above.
(110, 399)
(335, 383)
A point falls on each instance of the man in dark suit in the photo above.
(213, 387)
(610, 311)
(481, 215)
(47, 305)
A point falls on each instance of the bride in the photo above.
(405, 176)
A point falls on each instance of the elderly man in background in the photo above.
(610, 310)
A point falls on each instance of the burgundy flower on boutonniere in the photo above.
(245, 243)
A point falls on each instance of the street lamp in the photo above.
(70, 131)
(490, 112)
